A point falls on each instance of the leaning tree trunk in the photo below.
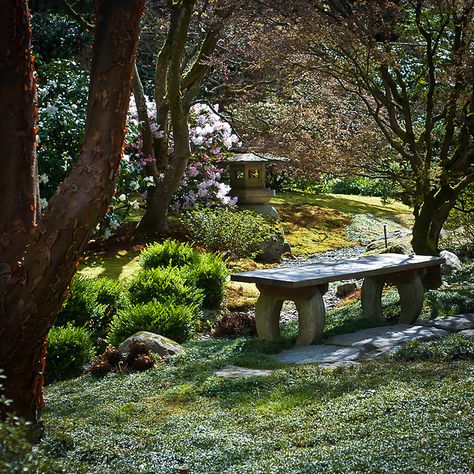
(36, 276)
(429, 221)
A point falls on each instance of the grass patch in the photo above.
(120, 265)
(318, 222)
(241, 296)
(312, 229)
(349, 204)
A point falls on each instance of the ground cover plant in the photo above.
(410, 412)
(381, 417)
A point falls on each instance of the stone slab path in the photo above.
(319, 354)
(235, 372)
(349, 349)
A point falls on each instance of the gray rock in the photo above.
(451, 323)
(235, 372)
(345, 289)
(158, 344)
(467, 333)
(452, 262)
(382, 338)
(319, 354)
(272, 249)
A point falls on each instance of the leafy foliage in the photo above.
(445, 302)
(237, 233)
(169, 253)
(92, 304)
(62, 101)
(452, 347)
(57, 37)
(176, 321)
(235, 324)
(69, 349)
(163, 285)
(209, 274)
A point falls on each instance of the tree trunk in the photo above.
(35, 289)
(429, 221)
(18, 176)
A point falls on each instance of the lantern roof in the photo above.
(254, 158)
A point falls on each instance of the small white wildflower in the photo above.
(135, 205)
(44, 179)
(51, 109)
(122, 198)
(149, 181)
(107, 233)
(43, 203)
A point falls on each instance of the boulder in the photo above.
(273, 249)
(345, 289)
(155, 343)
(452, 262)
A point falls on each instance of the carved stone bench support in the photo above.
(410, 289)
(309, 304)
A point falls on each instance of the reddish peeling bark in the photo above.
(32, 294)
(18, 176)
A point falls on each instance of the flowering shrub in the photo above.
(62, 103)
(210, 137)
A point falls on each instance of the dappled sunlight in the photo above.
(116, 265)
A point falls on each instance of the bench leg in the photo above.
(411, 293)
(267, 316)
(311, 317)
(371, 297)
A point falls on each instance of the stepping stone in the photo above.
(335, 365)
(451, 323)
(467, 333)
(235, 372)
(383, 338)
(320, 354)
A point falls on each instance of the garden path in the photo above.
(352, 348)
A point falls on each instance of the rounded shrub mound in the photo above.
(238, 233)
(169, 253)
(92, 304)
(209, 274)
(69, 349)
(163, 285)
(178, 322)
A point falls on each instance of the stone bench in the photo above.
(306, 285)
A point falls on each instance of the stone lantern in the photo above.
(247, 181)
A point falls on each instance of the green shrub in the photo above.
(447, 302)
(56, 36)
(81, 305)
(178, 322)
(453, 347)
(69, 349)
(209, 274)
(164, 285)
(170, 253)
(92, 304)
(238, 233)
